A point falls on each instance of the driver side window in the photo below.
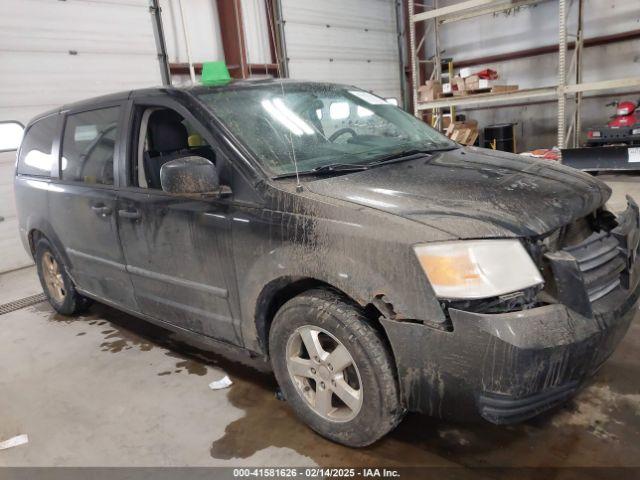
(88, 146)
(165, 135)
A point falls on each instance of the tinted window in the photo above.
(88, 146)
(35, 153)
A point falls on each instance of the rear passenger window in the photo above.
(88, 146)
(35, 152)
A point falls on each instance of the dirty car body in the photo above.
(220, 266)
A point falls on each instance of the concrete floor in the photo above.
(108, 389)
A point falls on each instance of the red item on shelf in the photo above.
(487, 74)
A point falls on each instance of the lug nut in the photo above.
(322, 385)
(315, 358)
(329, 366)
(313, 370)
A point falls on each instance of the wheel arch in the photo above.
(43, 230)
(279, 291)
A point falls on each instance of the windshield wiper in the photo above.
(332, 167)
(400, 156)
(340, 167)
(408, 154)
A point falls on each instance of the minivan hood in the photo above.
(473, 193)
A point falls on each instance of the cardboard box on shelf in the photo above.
(503, 88)
(465, 72)
(431, 90)
(474, 82)
(465, 132)
(458, 86)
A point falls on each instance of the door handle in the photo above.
(101, 209)
(132, 214)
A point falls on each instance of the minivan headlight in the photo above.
(473, 269)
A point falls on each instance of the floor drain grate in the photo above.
(22, 303)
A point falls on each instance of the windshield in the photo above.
(317, 125)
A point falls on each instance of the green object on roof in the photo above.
(215, 73)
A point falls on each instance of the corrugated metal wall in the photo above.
(345, 41)
(53, 52)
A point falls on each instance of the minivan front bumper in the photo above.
(506, 367)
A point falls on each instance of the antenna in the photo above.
(279, 69)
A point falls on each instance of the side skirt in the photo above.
(250, 358)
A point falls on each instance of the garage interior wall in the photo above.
(56, 52)
(316, 35)
(345, 41)
(536, 26)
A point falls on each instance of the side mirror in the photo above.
(10, 136)
(190, 175)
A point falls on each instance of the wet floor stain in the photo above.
(600, 427)
(121, 340)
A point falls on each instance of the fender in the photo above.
(361, 281)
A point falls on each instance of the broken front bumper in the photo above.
(506, 367)
(509, 367)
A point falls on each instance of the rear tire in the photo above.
(56, 282)
(354, 400)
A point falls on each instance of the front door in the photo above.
(83, 204)
(173, 246)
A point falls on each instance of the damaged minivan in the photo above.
(377, 266)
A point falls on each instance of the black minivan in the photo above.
(376, 265)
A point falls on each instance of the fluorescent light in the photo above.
(279, 104)
(279, 117)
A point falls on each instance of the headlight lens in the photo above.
(474, 269)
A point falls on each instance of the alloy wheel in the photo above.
(53, 277)
(324, 373)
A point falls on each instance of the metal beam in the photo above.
(161, 46)
(458, 7)
(532, 52)
(233, 40)
(562, 71)
(413, 61)
(603, 85)
(489, 10)
(484, 98)
(258, 68)
(450, 11)
(281, 58)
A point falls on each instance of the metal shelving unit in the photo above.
(569, 86)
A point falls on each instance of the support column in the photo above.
(233, 42)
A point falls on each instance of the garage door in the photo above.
(344, 41)
(55, 52)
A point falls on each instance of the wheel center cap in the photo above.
(325, 374)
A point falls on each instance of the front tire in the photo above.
(334, 369)
(56, 282)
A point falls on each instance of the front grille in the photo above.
(601, 262)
